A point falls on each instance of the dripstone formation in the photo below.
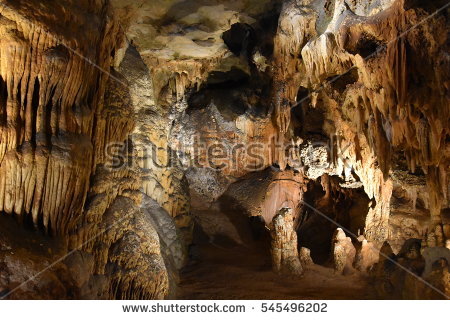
(135, 133)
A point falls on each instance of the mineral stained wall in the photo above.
(124, 123)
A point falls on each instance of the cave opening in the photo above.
(226, 224)
(245, 40)
(234, 78)
(307, 120)
(267, 29)
(229, 248)
(225, 90)
(233, 93)
(240, 39)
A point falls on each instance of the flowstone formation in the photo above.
(62, 105)
(131, 131)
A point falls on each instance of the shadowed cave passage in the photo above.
(348, 208)
(225, 270)
(240, 39)
(230, 257)
(245, 273)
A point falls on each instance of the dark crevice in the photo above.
(315, 232)
(240, 39)
(341, 82)
(3, 99)
(48, 119)
(234, 78)
(365, 46)
(34, 108)
(428, 5)
(347, 207)
(232, 92)
(267, 29)
(307, 120)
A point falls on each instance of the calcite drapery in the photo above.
(357, 63)
(61, 107)
(50, 95)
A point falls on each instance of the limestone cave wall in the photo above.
(125, 126)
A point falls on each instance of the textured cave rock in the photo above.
(111, 112)
(343, 252)
(431, 264)
(285, 258)
(305, 257)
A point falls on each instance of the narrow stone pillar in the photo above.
(367, 256)
(285, 257)
(305, 258)
(343, 252)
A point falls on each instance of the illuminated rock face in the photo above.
(343, 252)
(49, 100)
(285, 257)
(62, 105)
(125, 123)
(361, 71)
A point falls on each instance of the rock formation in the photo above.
(285, 258)
(423, 273)
(131, 130)
(343, 252)
(305, 257)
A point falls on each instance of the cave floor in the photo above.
(232, 273)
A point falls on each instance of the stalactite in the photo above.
(48, 118)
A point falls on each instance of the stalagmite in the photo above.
(305, 257)
(367, 256)
(343, 252)
(284, 250)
